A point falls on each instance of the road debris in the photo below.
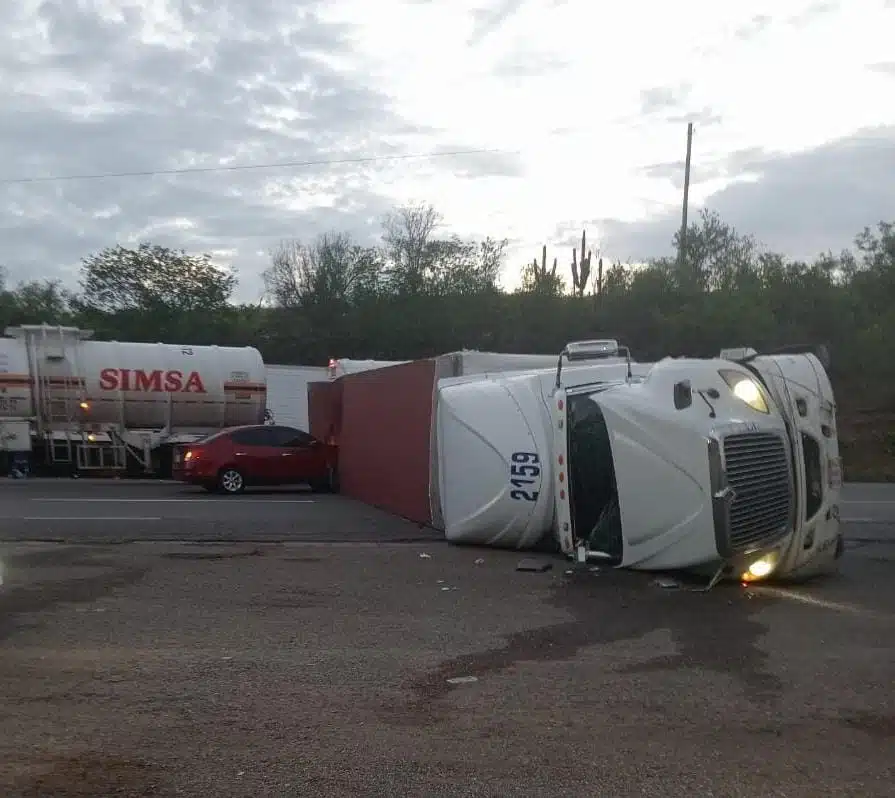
(667, 584)
(425, 556)
(462, 679)
(480, 561)
(534, 566)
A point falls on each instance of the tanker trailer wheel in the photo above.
(230, 481)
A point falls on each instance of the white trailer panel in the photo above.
(287, 393)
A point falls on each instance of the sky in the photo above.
(306, 117)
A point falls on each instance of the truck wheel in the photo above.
(230, 481)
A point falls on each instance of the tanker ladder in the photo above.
(100, 456)
(55, 386)
(142, 455)
(57, 412)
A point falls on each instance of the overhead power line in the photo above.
(254, 166)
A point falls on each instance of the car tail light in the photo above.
(191, 454)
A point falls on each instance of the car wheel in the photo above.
(333, 479)
(230, 481)
(329, 484)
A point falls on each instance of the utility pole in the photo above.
(682, 244)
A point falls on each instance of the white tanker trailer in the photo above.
(87, 404)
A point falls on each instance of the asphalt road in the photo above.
(103, 511)
(303, 668)
(869, 505)
(93, 510)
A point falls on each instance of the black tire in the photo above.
(230, 481)
(334, 479)
(329, 484)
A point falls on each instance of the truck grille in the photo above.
(758, 471)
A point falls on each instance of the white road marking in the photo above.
(221, 501)
(92, 518)
(804, 598)
(866, 501)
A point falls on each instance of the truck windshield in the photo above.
(593, 493)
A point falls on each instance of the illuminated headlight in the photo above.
(745, 389)
(760, 568)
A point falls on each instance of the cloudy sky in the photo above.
(582, 106)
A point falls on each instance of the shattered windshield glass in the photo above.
(593, 493)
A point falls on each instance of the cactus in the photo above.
(540, 272)
(581, 270)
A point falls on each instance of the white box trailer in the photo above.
(287, 393)
(462, 362)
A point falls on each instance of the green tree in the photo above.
(332, 269)
(406, 235)
(41, 301)
(419, 263)
(714, 255)
(153, 279)
(453, 266)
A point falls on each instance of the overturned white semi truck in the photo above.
(730, 464)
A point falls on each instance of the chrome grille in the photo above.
(758, 471)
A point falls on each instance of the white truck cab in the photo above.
(730, 464)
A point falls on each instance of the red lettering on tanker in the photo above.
(157, 381)
(148, 382)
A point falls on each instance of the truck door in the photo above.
(802, 390)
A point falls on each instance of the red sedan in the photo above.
(240, 457)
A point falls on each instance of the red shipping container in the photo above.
(384, 435)
(325, 410)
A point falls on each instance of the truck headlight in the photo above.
(745, 389)
(760, 568)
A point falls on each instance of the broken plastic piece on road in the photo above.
(425, 556)
(462, 679)
(667, 584)
(535, 566)
(479, 561)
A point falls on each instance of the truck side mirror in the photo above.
(683, 395)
